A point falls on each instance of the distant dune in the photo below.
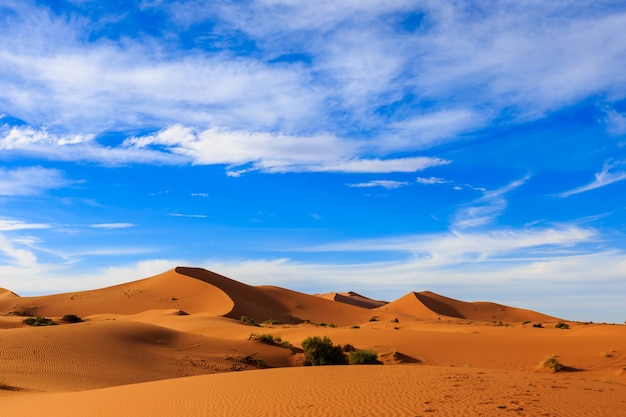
(156, 345)
(428, 305)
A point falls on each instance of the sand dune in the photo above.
(353, 298)
(339, 391)
(429, 305)
(174, 344)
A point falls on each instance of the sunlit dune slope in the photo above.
(353, 298)
(107, 353)
(337, 391)
(164, 291)
(428, 305)
(195, 290)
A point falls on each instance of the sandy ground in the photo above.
(174, 345)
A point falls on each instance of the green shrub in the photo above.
(561, 325)
(71, 318)
(374, 318)
(39, 321)
(265, 338)
(364, 357)
(321, 351)
(249, 320)
(538, 325)
(552, 363)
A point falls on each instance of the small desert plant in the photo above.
(526, 322)
(356, 326)
(249, 320)
(396, 320)
(258, 362)
(39, 321)
(552, 363)
(321, 351)
(561, 325)
(272, 322)
(538, 325)
(265, 338)
(71, 318)
(374, 318)
(364, 357)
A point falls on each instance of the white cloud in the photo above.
(475, 62)
(26, 140)
(456, 248)
(388, 184)
(113, 225)
(14, 255)
(274, 153)
(31, 180)
(485, 209)
(602, 179)
(193, 216)
(379, 165)
(8, 225)
(615, 122)
(432, 180)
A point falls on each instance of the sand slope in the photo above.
(352, 298)
(174, 345)
(429, 305)
(340, 391)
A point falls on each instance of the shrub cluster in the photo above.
(552, 363)
(249, 320)
(71, 318)
(321, 351)
(364, 357)
(39, 321)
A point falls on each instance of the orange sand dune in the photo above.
(339, 391)
(149, 345)
(118, 352)
(165, 291)
(353, 298)
(429, 305)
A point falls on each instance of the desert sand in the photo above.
(175, 345)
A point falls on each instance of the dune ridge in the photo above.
(428, 305)
(174, 344)
(353, 298)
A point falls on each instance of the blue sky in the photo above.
(471, 148)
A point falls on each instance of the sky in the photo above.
(471, 148)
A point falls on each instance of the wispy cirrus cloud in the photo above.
(113, 225)
(31, 180)
(615, 122)
(432, 181)
(193, 216)
(602, 179)
(274, 153)
(388, 184)
(14, 255)
(485, 209)
(9, 225)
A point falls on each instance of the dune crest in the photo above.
(169, 290)
(429, 305)
(353, 298)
